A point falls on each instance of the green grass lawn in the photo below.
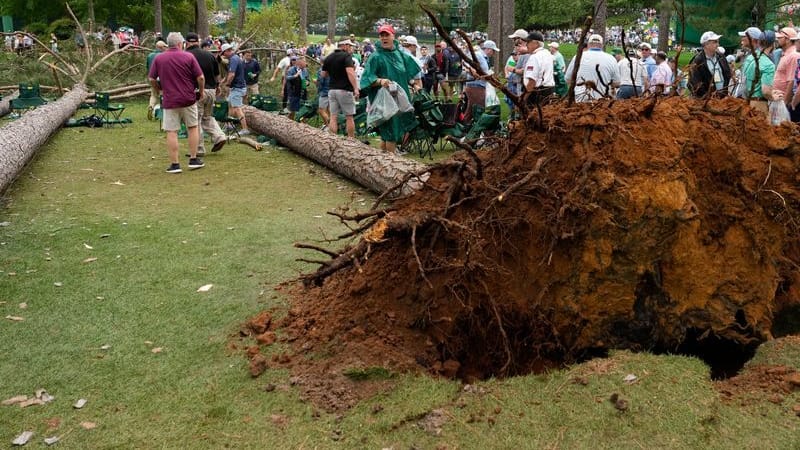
(107, 252)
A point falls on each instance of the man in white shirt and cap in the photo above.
(598, 73)
(538, 78)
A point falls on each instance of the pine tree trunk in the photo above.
(20, 139)
(664, 15)
(368, 166)
(158, 17)
(90, 12)
(241, 15)
(506, 28)
(495, 26)
(599, 22)
(5, 104)
(303, 21)
(332, 20)
(201, 18)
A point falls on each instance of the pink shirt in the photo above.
(784, 74)
(177, 72)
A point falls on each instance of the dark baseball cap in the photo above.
(535, 36)
(192, 37)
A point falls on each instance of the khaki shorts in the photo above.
(252, 89)
(341, 101)
(324, 103)
(174, 116)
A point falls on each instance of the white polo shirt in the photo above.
(539, 67)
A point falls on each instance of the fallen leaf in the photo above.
(630, 378)
(88, 425)
(118, 183)
(15, 318)
(88, 246)
(156, 350)
(80, 403)
(14, 400)
(23, 306)
(23, 438)
(205, 288)
(105, 347)
(58, 284)
(51, 440)
(88, 260)
(104, 235)
(148, 342)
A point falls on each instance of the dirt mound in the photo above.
(613, 225)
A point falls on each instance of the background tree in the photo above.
(501, 24)
(664, 15)
(600, 15)
(332, 19)
(303, 35)
(158, 15)
(242, 14)
(201, 18)
(90, 14)
(276, 23)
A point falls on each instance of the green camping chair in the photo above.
(29, 97)
(269, 103)
(109, 112)
(230, 125)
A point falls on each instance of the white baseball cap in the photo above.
(411, 40)
(709, 36)
(490, 45)
(225, 47)
(595, 38)
(553, 45)
(519, 34)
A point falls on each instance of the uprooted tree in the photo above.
(668, 227)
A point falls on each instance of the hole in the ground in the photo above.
(786, 322)
(725, 357)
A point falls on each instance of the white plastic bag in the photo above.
(778, 113)
(382, 108)
(491, 96)
(399, 95)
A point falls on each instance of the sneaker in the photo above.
(218, 146)
(195, 163)
(244, 132)
(174, 168)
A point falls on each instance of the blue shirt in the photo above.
(237, 67)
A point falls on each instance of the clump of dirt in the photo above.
(613, 225)
(760, 382)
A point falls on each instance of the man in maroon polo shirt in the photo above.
(181, 83)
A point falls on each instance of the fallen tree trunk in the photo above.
(370, 167)
(20, 139)
(5, 105)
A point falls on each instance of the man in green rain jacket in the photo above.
(389, 63)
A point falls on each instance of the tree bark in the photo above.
(5, 104)
(90, 12)
(20, 139)
(506, 28)
(664, 15)
(303, 21)
(495, 27)
(599, 22)
(201, 18)
(370, 167)
(241, 15)
(332, 20)
(158, 14)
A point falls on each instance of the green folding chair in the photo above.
(29, 97)
(230, 125)
(109, 112)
